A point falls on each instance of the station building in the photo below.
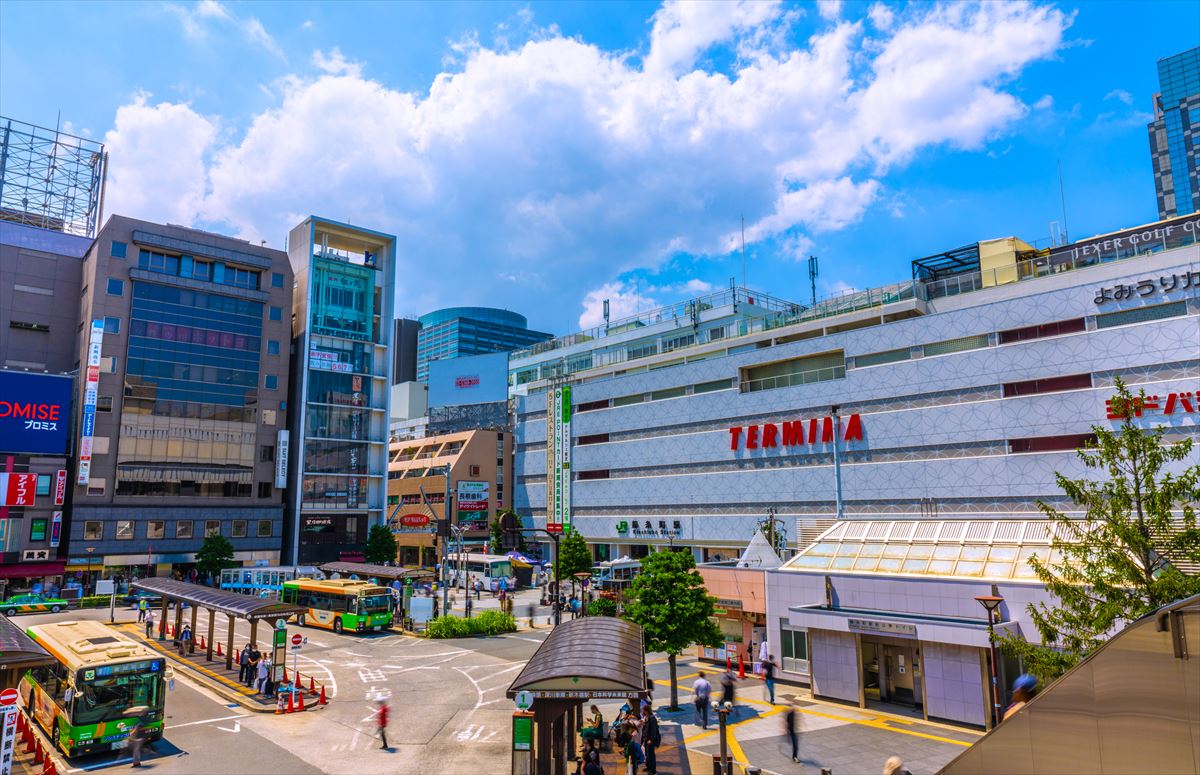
(927, 418)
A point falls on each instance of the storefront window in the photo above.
(93, 530)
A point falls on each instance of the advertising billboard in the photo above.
(473, 379)
(472, 501)
(90, 387)
(558, 459)
(35, 413)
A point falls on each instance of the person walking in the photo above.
(727, 688)
(1024, 689)
(895, 766)
(185, 640)
(137, 738)
(702, 691)
(381, 720)
(244, 665)
(651, 739)
(149, 624)
(789, 728)
(142, 609)
(768, 674)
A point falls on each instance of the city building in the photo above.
(410, 410)
(342, 329)
(1175, 134)
(479, 463)
(404, 352)
(460, 331)
(180, 406)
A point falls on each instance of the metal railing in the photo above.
(793, 379)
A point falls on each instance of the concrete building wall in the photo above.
(835, 666)
(954, 688)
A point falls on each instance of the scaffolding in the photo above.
(50, 179)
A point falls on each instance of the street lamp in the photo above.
(723, 710)
(990, 603)
(553, 537)
(583, 577)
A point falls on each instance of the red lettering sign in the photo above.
(20, 489)
(1181, 403)
(29, 411)
(466, 382)
(60, 487)
(414, 520)
(791, 433)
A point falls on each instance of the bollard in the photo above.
(322, 701)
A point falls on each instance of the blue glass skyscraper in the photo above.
(1174, 134)
(459, 331)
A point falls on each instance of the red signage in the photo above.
(60, 487)
(414, 520)
(466, 382)
(795, 433)
(553, 527)
(8, 697)
(297, 639)
(19, 489)
(29, 410)
(1181, 403)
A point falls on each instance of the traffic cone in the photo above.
(49, 769)
(312, 686)
(39, 756)
(300, 698)
(322, 701)
(202, 643)
(741, 667)
(220, 653)
(290, 709)
(21, 724)
(279, 705)
(285, 678)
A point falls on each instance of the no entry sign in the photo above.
(297, 639)
(8, 697)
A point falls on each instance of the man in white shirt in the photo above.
(702, 690)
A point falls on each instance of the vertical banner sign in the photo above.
(281, 458)
(564, 457)
(553, 524)
(56, 529)
(8, 735)
(90, 386)
(60, 487)
(18, 489)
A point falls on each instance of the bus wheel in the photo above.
(337, 625)
(54, 737)
(300, 619)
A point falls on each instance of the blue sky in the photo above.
(546, 156)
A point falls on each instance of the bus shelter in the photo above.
(215, 601)
(365, 570)
(18, 653)
(592, 658)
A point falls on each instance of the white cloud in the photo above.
(558, 165)
(169, 141)
(195, 20)
(307, 24)
(1120, 95)
(623, 302)
(881, 16)
(830, 10)
(1044, 103)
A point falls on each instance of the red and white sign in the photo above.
(8, 697)
(297, 639)
(1173, 403)
(414, 520)
(471, 380)
(553, 527)
(795, 433)
(18, 489)
(60, 487)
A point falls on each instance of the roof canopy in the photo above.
(18, 649)
(366, 570)
(243, 606)
(595, 656)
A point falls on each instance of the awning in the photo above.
(18, 650)
(19, 570)
(243, 606)
(936, 629)
(367, 571)
(595, 656)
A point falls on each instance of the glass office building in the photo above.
(460, 331)
(342, 331)
(1175, 133)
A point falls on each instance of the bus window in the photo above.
(107, 697)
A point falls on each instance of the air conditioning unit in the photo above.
(34, 555)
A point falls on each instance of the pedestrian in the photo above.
(895, 766)
(478, 588)
(504, 585)
(727, 688)
(149, 624)
(381, 720)
(137, 737)
(789, 728)
(768, 674)
(185, 640)
(142, 609)
(594, 729)
(702, 690)
(495, 587)
(592, 765)
(1024, 690)
(651, 739)
(255, 659)
(244, 664)
(262, 673)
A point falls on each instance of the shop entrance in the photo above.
(892, 671)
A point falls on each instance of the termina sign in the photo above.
(35, 413)
(793, 434)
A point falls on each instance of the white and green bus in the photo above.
(101, 684)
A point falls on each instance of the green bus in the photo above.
(341, 604)
(102, 683)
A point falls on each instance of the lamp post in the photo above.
(990, 603)
(583, 577)
(553, 537)
(723, 710)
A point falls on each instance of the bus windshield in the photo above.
(499, 570)
(374, 604)
(107, 697)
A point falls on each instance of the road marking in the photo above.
(206, 721)
(237, 727)
(538, 641)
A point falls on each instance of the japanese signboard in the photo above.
(90, 388)
(558, 459)
(882, 628)
(60, 487)
(1149, 287)
(1187, 402)
(282, 441)
(18, 489)
(34, 412)
(327, 361)
(472, 501)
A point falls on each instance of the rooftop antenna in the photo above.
(744, 252)
(606, 314)
(812, 277)
(1062, 200)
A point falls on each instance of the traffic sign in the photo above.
(8, 697)
(280, 624)
(523, 700)
(297, 639)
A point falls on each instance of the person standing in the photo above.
(261, 672)
(702, 690)
(142, 609)
(381, 719)
(255, 659)
(789, 728)
(149, 624)
(768, 673)
(137, 738)
(651, 739)
(727, 688)
(244, 665)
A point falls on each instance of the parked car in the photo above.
(153, 599)
(32, 604)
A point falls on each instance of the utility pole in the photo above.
(553, 537)
(812, 277)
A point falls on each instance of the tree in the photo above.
(496, 541)
(214, 555)
(574, 556)
(1115, 562)
(669, 601)
(381, 545)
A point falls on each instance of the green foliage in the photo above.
(215, 554)
(496, 540)
(602, 606)
(573, 556)
(1115, 563)
(381, 546)
(486, 623)
(669, 601)
(94, 601)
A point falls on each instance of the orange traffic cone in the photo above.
(49, 769)
(312, 686)
(20, 723)
(741, 667)
(290, 709)
(39, 756)
(202, 643)
(285, 678)
(300, 697)
(322, 701)
(219, 652)
(278, 704)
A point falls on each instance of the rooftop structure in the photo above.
(50, 179)
(1173, 134)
